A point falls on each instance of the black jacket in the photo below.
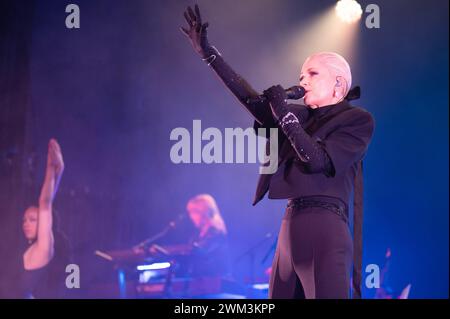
(343, 131)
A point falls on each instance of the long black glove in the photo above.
(197, 35)
(309, 151)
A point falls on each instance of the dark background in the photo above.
(112, 91)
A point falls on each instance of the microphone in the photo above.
(293, 93)
(172, 224)
(176, 221)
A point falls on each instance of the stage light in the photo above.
(260, 286)
(348, 10)
(154, 266)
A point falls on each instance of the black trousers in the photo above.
(313, 258)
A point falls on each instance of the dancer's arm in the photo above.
(41, 251)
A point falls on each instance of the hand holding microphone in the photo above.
(277, 96)
(293, 93)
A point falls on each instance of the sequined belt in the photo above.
(332, 204)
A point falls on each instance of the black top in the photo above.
(47, 282)
(209, 255)
(33, 283)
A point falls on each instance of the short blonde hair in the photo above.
(337, 65)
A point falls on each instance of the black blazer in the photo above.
(344, 131)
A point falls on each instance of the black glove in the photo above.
(196, 33)
(277, 96)
(308, 150)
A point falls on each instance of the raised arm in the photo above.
(41, 251)
(197, 35)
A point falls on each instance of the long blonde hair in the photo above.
(211, 212)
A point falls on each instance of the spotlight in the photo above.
(154, 266)
(348, 10)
